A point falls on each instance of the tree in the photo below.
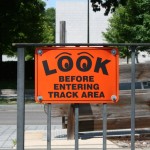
(130, 24)
(48, 30)
(49, 26)
(22, 21)
(109, 5)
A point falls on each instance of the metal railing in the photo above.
(21, 94)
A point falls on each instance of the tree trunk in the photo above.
(137, 59)
(127, 60)
(0, 60)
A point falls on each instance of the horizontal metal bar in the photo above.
(115, 133)
(79, 44)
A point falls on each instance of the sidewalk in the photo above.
(36, 138)
(8, 133)
(94, 143)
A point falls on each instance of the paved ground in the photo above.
(36, 138)
(34, 115)
(8, 133)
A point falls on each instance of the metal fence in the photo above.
(21, 94)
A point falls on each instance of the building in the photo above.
(7, 58)
(74, 12)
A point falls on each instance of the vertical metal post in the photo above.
(133, 98)
(63, 122)
(71, 122)
(88, 22)
(49, 127)
(76, 126)
(104, 126)
(20, 98)
(62, 31)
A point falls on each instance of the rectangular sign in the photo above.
(76, 75)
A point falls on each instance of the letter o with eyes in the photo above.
(84, 63)
(65, 62)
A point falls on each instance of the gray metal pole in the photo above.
(49, 127)
(104, 126)
(20, 98)
(133, 98)
(62, 31)
(76, 126)
(88, 22)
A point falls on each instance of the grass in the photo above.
(6, 101)
(14, 141)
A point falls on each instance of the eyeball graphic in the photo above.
(65, 63)
(84, 63)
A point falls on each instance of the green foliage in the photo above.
(49, 26)
(109, 5)
(14, 142)
(48, 30)
(23, 21)
(130, 24)
(17, 17)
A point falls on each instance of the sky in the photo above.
(50, 3)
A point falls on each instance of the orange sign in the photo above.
(76, 75)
